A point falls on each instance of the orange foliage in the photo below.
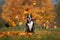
(15, 11)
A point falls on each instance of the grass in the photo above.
(40, 34)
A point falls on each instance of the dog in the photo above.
(30, 24)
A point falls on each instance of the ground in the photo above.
(18, 33)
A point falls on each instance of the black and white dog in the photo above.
(30, 24)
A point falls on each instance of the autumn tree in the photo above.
(16, 11)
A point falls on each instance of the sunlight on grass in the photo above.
(40, 35)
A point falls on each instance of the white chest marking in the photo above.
(30, 25)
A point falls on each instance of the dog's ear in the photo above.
(30, 15)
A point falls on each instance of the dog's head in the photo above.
(29, 17)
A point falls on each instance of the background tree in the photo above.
(16, 11)
(57, 9)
